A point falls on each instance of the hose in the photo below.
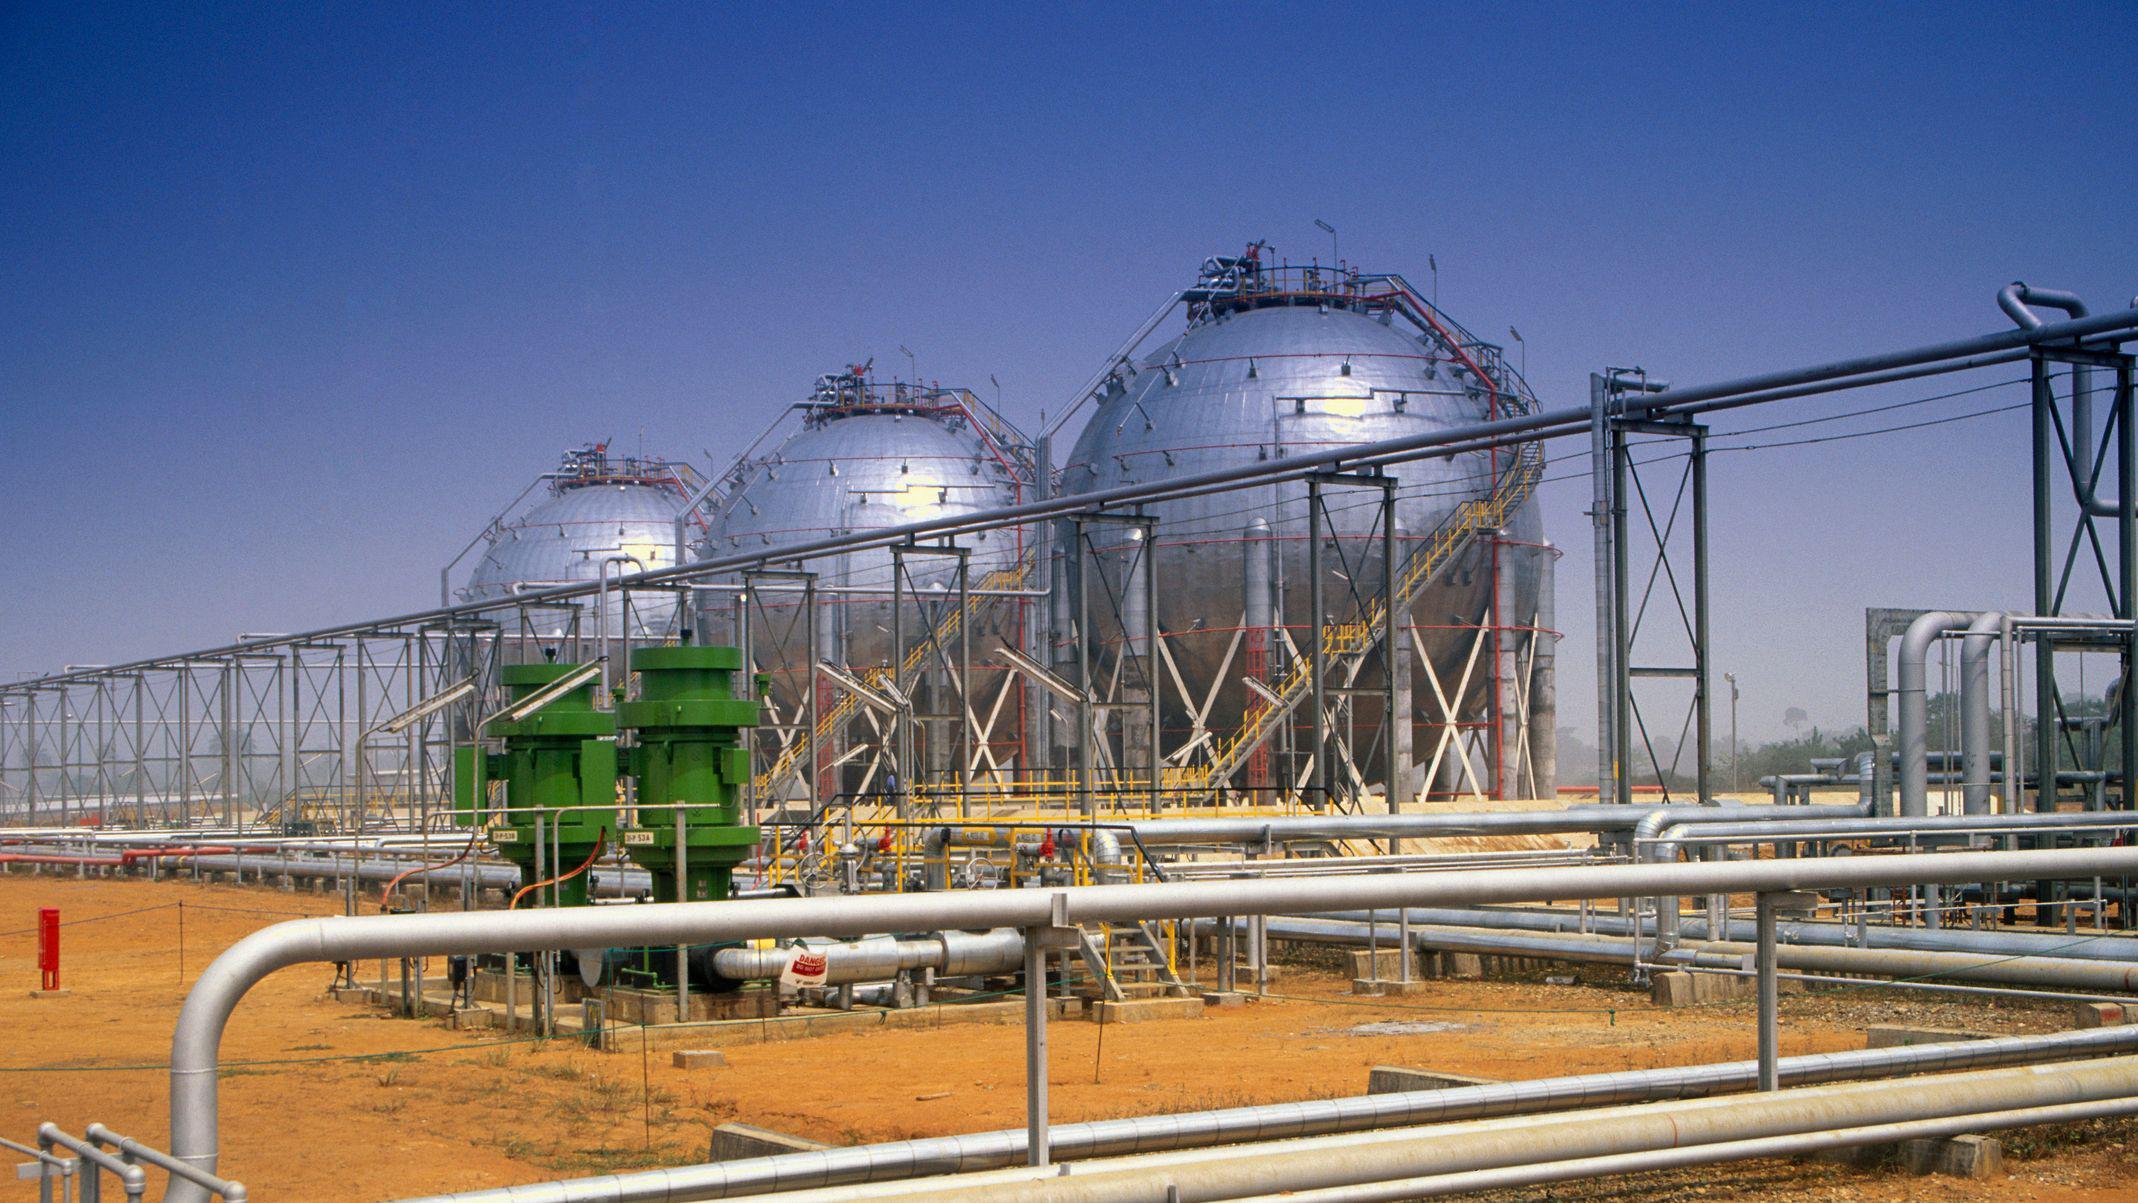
(600, 841)
(465, 853)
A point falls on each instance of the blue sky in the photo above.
(295, 298)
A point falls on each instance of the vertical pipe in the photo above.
(140, 761)
(1544, 676)
(2045, 719)
(1039, 723)
(682, 895)
(1151, 635)
(1912, 679)
(1621, 681)
(1507, 717)
(1702, 694)
(964, 689)
(1315, 653)
(1600, 528)
(1395, 720)
(34, 793)
(1259, 613)
(1085, 712)
(356, 851)
(228, 717)
(813, 652)
(896, 738)
(536, 983)
(2127, 566)
(1769, 997)
(1035, 1046)
(1975, 711)
(2014, 776)
(185, 744)
(743, 640)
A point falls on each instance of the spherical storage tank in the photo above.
(592, 508)
(1279, 362)
(864, 456)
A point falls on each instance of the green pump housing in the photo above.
(561, 756)
(691, 764)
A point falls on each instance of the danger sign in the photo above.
(804, 968)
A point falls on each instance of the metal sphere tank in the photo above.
(595, 507)
(1287, 362)
(865, 456)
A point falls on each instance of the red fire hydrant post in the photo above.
(48, 947)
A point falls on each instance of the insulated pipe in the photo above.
(1914, 706)
(1803, 1144)
(2117, 948)
(1274, 1121)
(2090, 977)
(1982, 635)
(1544, 676)
(1669, 840)
(950, 954)
(1647, 831)
(1570, 820)
(1351, 1159)
(196, 1039)
(1105, 851)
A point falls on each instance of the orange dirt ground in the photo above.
(459, 1110)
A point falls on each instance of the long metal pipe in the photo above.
(1975, 649)
(1648, 831)
(1351, 1159)
(1285, 1121)
(2119, 948)
(2090, 977)
(1670, 838)
(1571, 820)
(949, 953)
(216, 993)
(1959, 354)
(1911, 677)
(1802, 1144)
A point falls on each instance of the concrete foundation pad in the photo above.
(1224, 998)
(2098, 1015)
(50, 993)
(1677, 988)
(1454, 964)
(735, 1142)
(1395, 1079)
(1959, 1156)
(1380, 963)
(1139, 1010)
(1392, 989)
(699, 1058)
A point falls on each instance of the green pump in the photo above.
(561, 756)
(690, 764)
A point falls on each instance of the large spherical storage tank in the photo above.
(1277, 365)
(864, 456)
(593, 507)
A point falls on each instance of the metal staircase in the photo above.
(1130, 960)
(1345, 643)
(788, 765)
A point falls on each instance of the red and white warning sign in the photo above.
(804, 968)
